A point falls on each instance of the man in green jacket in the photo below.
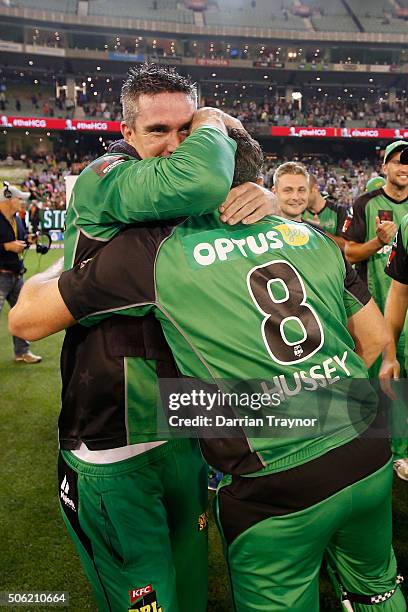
(134, 503)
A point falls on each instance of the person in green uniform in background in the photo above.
(395, 314)
(369, 230)
(375, 183)
(240, 303)
(326, 212)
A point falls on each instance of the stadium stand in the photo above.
(161, 10)
(331, 7)
(374, 8)
(330, 16)
(386, 25)
(339, 23)
(63, 6)
(276, 14)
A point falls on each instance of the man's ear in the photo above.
(260, 181)
(126, 131)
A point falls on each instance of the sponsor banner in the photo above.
(266, 64)
(50, 220)
(90, 125)
(126, 57)
(378, 68)
(83, 125)
(7, 45)
(368, 133)
(330, 132)
(94, 126)
(35, 49)
(313, 66)
(326, 132)
(204, 61)
(172, 61)
(56, 236)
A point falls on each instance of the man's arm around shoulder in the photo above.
(40, 310)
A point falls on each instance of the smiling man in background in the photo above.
(369, 230)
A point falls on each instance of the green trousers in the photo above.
(274, 563)
(140, 527)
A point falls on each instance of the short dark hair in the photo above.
(248, 157)
(152, 79)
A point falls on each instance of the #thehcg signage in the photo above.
(90, 125)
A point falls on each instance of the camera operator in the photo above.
(13, 240)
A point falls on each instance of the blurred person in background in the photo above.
(325, 211)
(13, 242)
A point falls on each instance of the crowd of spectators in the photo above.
(318, 110)
(44, 104)
(45, 178)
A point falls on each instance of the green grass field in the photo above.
(36, 553)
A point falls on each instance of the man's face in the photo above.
(162, 123)
(396, 173)
(292, 191)
(16, 205)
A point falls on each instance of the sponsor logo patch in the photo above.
(292, 235)
(107, 163)
(385, 215)
(64, 494)
(144, 599)
(202, 521)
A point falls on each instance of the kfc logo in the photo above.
(136, 594)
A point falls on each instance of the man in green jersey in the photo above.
(172, 161)
(239, 303)
(134, 504)
(369, 230)
(325, 211)
(395, 314)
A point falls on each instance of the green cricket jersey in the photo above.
(360, 227)
(397, 265)
(331, 218)
(119, 188)
(109, 374)
(238, 303)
